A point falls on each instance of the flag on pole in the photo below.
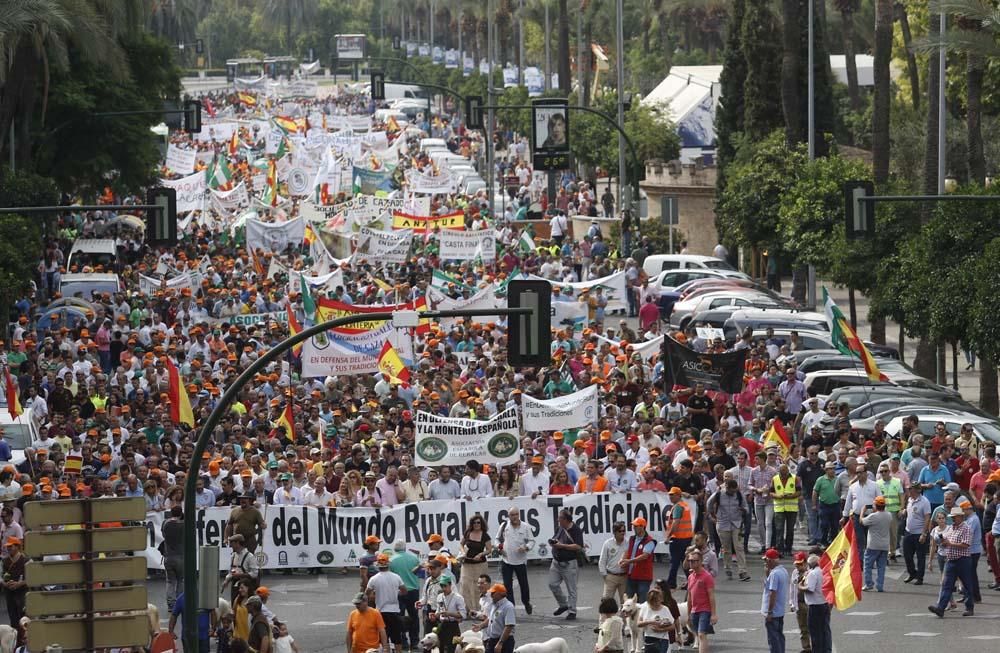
(286, 420)
(847, 341)
(209, 108)
(320, 183)
(234, 142)
(10, 389)
(525, 243)
(294, 328)
(286, 124)
(309, 235)
(248, 99)
(842, 578)
(776, 436)
(308, 303)
(282, 150)
(220, 175)
(392, 366)
(180, 405)
(272, 182)
(391, 125)
(258, 265)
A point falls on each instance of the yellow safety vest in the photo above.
(786, 504)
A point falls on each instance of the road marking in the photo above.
(986, 616)
(744, 612)
(322, 579)
(917, 614)
(736, 630)
(291, 604)
(863, 614)
(340, 605)
(920, 634)
(984, 637)
(862, 632)
(792, 632)
(327, 623)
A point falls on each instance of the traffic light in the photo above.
(199, 46)
(161, 223)
(396, 43)
(378, 85)
(474, 112)
(859, 215)
(529, 339)
(192, 116)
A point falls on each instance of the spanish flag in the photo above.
(776, 436)
(180, 405)
(294, 328)
(286, 124)
(287, 421)
(391, 126)
(272, 181)
(392, 365)
(248, 99)
(842, 570)
(309, 236)
(847, 341)
(10, 389)
(234, 142)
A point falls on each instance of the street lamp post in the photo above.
(620, 55)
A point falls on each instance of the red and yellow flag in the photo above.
(776, 436)
(842, 578)
(180, 405)
(847, 341)
(392, 365)
(287, 421)
(294, 328)
(309, 235)
(234, 142)
(272, 181)
(248, 99)
(10, 389)
(391, 125)
(286, 124)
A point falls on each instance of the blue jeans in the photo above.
(878, 560)
(829, 522)
(678, 548)
(775, 634)
(637, 588)
(958, 569)
(860, 535)
(812, 520)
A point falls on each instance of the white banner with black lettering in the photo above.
(252, 319)
(454, 441)
(190, 191)
(468, 245)
(274, 237)
(577, 409)
(419, 182)
(180, 162)
(304, 536)
(228, 202)
(384, 246)
(335, 353)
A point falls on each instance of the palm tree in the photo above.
(911, 59)
(289, 12)
(38, 35)
(847, 9)
(882, 90)
(565, 82)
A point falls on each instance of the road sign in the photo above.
(529, 341)
(73, 511)
(73, 572)
(859, 216)
(669, 210)
(104, 540)
(71, 634)
(69, 602)
(161, 226)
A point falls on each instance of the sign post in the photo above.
(75, 617)
(550, 133)
(669, 215)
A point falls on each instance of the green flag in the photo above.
(308, 303)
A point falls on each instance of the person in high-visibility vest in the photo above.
(786, 491)
(679, 533)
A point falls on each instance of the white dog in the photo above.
(682, 625)
(8, 639)
(554, 645)
(430, 643)
(224, 608)
(470, 642)
(629, 612)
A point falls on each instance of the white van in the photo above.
(657, 263)
(91, 252)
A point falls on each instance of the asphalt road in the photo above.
(316, 608)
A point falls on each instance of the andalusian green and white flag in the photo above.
(525, 243)
(219, 174)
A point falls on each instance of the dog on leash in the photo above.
(629, 612)
(682, 625)
(470, 642)
(8, 639)
(430, 643)
(554, 645)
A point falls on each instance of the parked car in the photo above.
(866, 425)
(861, 394)
(656, 263)
(986, 429)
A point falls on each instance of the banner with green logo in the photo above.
(454, 441)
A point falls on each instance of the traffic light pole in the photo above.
(190, 634)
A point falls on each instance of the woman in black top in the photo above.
(476, 547)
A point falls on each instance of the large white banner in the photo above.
(149, 285)
(335, 353)
(384, 246)
(420, 182)
(252, 319)
(455, 441)
(577, 409)
(613, 287)
(217, 131)
(304, 536)
(274, 237)
(180, 162)
(484, 299)
(228, 202)
(571, 315)
(468, 245)
(190, 191)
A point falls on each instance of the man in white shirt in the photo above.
(860, 494)
(475, 485)
(559, 226)
(318, 496)
(287, 494)
(444, 486)
(535, 483)
(812, 417)
(621, 478)
(635, 451)
(515, 541)
(613, 573)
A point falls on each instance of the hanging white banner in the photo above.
(228, 202)
(455, 441)
(149, 285)
(274, 237)
(334, 353)
(419, 182)
(577, 409)
(190, 191)
(180, 162)
(484, 299)
(468, 245)
(384, 246)
(613, 287)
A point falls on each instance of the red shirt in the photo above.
(964, 477)
(700, 583)
(648, 315)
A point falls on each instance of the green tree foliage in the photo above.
(729, 112)
(748, 207)
(86, 153)
(762, 86)
(21, 235)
